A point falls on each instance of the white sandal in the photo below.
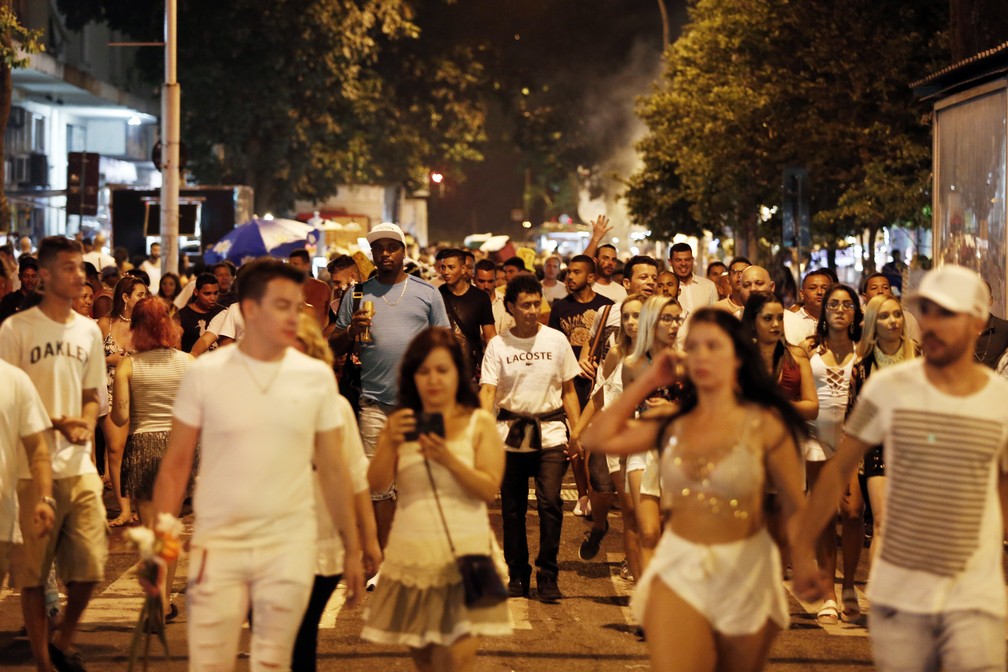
(828, 613)
(851, 607)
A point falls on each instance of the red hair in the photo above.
(153, 327)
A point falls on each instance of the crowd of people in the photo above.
(733, 433)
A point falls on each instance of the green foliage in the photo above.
(16, 41)
(755, 86)
(295, 97)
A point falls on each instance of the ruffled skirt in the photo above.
(141, 461)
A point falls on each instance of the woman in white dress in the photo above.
(420, 600)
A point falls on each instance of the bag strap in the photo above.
(593, 349)
(437, 500)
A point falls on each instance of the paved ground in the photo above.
(590, 630)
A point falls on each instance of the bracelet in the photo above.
(51, 501)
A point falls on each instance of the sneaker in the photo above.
(593, 539)
(518, 584)
(65, 661)
(549, 591)
(581, 508)
(372, 583)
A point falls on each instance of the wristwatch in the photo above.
(51, 501)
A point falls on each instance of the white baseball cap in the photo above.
(386, 230)
(954, 288)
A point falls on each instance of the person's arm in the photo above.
(36, 447)
(368, 530)
(121, 392)
(783, 465)
(381, 471)
(483, 479)
(489, 331)
(613, 430)
(334, 478)
(820, 509)
(176, 467)
(203, 343)
(488, 396)
(585, 360)
(600, 229)
(571, 404)
(808, 405)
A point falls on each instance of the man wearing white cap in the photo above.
(936, 585)
(403, 307)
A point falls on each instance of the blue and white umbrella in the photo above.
(260, 237)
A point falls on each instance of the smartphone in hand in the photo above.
(427, 423)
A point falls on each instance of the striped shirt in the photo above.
(942, 545)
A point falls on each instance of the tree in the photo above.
(295, 97)
(16, 42)
(754, 87)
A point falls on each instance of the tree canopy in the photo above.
(756, 86)
(295, 97)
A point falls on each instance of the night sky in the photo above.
(594, 56)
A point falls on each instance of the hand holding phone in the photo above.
(427, 423)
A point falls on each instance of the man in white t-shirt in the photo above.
(255, 533)
(528, 380)
(733, 303)
(695, 292)
(553, 289)
(24, 419)
(98, 257)
(152, 267)
(936, 585)
(801, 323)
(62, 353)
(605, 265)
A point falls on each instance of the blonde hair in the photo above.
(623, 340)
(649, 314)
(310, 335)
(869, 335)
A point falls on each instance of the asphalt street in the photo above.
(590, 630)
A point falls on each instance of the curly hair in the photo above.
(153, 326)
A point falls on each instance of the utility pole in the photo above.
(666, 31)
(171, 96)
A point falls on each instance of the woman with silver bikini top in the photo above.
(727, 485)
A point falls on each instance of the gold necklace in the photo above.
(399, 300)
(262, 388)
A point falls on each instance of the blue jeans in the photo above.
(546, 467)
(953, 641)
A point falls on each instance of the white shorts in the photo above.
(651, 479)
(736, 586)
(275, 580)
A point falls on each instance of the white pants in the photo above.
(275, 580)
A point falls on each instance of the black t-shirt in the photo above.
(574, 320)
(194, 324)
(467, 314)
(11, 304)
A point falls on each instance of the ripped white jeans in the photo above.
(275, 580)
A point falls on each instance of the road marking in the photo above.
(333, 608)
(841, 629)
(623, 587)
(567, 494)
(120, 603)
(519, 607)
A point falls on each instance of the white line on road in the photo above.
(120, 603)
(519, 607)
(623, 587)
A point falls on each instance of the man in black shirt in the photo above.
(469, 309)
(573, 314)
(196, 316)
(28, 274)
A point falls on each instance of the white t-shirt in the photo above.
(557, 291)
(798, 326)
(99, 260)
(529, 374)
(256, 448)
(228, 323)
(502, 318)
(153, 271)
(330, 544)
(613, 291)
(697, 293)
(22, 413)
(943, 539)
(62, 360)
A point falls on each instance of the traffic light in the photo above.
(82, 183)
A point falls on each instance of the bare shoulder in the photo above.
(798, 352)
(771, 426)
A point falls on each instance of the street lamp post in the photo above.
(171, 96)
